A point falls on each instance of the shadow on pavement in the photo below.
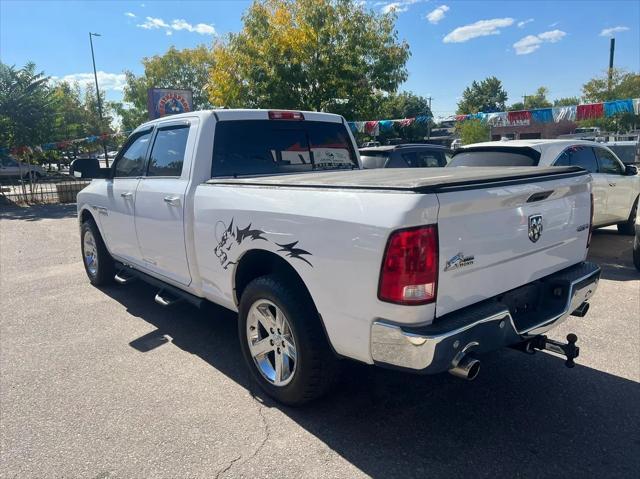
(37, 212)
(523, 417)
(614, 253)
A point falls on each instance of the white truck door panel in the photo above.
(119, 222)
(160, 203)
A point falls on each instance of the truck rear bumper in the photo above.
(504, 320)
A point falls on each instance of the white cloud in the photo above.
(178, 24)
(153, 23)
(528, 44)
(554, 24)
(130, 15)
(398, 6)
(480, 28)
(531, 43)
(106, 81)
(437, 14)
(609, 32)
(552, 36)
(524, 22)
(201, 28)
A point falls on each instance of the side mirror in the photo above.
(630, 170)
(88, 168)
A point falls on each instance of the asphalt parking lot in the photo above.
(90, 387)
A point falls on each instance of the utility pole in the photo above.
(95, 76)
(429, 121)
(612, 48)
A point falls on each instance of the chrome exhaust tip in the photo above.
(467, 368)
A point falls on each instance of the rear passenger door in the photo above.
(160, 201)
(584, 157)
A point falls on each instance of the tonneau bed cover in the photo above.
(419, 180)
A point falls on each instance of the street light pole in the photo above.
(95, 76)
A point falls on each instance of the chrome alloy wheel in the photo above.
(90, 253)
(271, 342)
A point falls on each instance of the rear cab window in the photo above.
(167, 152)
(495, 156)
(266, 147)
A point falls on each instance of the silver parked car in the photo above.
(12, 168)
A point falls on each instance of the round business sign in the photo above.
(171, 104)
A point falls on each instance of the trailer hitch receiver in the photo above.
(541, 343)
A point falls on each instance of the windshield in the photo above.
(495, 157)
(263, 147)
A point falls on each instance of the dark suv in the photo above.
(405, 156)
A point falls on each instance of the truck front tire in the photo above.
(282, 341)
(629, 226)
(97, 261)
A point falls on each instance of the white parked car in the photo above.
(268, 213)
(616, 186)
(12, 168)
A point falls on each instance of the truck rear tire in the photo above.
(629, 226)
(283, 342)
(97, 261)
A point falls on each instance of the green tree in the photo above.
(486, 96)
(404, 105)
(473, 131)
(26, 109)
(623, 85)
(332, 55)
(567, 101)
(186, 69)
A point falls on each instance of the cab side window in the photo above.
(131, 160)
(578, 155)
(167, 153)
(608, 162)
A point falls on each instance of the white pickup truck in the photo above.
(268, 213)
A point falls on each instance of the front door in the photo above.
(119, 222)
(160, 202)
(620, 188)
(584, 157)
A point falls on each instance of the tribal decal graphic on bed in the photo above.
(228, 237)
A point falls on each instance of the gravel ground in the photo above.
(90, 387)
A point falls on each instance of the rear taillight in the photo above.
(285, 115)
(590, 223)
(409, 272)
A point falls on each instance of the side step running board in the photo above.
(164, 299)
(167, 294)
(122, 277)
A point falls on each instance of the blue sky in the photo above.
(525, 44)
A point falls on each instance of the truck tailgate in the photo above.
(495, 238)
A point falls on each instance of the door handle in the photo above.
(172, 200)
(612, 184)
(126, 195)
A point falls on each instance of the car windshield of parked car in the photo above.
(262, 147)
(495, 157)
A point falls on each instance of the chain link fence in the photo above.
(51, 188)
